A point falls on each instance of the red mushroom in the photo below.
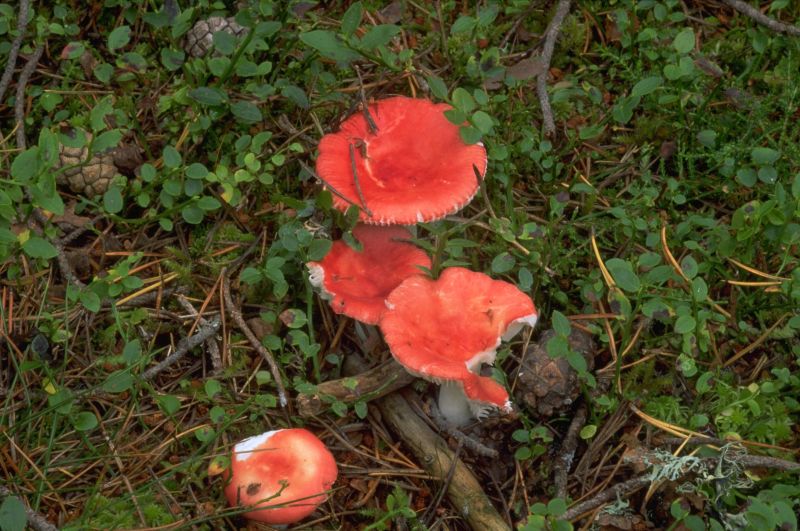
(409, 166)
(281, 476)
(357, 283)
(444, 330)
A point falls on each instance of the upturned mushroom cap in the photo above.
(444, 329)
(413, 168)
(357, 283)
(283, 474)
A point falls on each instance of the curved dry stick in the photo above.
(256, 344)
(750, 11)
(19, 103)
(550, 37)
(463, 490)
(22, 23)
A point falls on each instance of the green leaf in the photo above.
(90, 300)
(103, 72)
(212, 387)
(746, 177)
(12, 515)
(328, 45)
(685, 324)
(106, 141)
(208, 203)
(463, 100)
(208, 96)
(557, 506)
(762, 156)
(463, 24)
(318, 249)
(132, 351)
(646, 86)
(469, 135)
(351, 18)
(85, 421)
(196, 171)
(37, 247)
(118, 381)
(592, 131)
(224, 42)
(503, 263)
(172, 159)
(561, 324)
(437, 86)
(118, 38)
(246, 112)
(192, 214)
(168, 404)
(112, 200)
(379, 35)
(588, 431)
(684, 41)
(482, 121)
(172, 59)
(622, 273)
(707, 137)
(577, 361)
(699, 289)
(25, 165)
(296, 95)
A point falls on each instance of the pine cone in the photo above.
(548, 386)
(90, 178)
(200, 38)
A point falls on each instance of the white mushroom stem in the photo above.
(454, 405)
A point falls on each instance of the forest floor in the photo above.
(159, 204)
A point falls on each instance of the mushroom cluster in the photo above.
(402, 161)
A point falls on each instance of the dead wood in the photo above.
(463, 490)
(369, 385)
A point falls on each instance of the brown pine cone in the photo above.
(200, 38)
(89, 178)
(548, 386)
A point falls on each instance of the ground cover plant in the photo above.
(159, 203)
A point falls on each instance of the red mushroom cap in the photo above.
(443, 330)
(357, 283)
(284, 474)
(414, 168)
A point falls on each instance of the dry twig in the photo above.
(567, 454)
(11, 62)
(462, 438)
(750, 11)
(464, 491)
(368, 385)
(240, 322)
(19, 102)
(184, 345)
(550, 36)
(211, 343)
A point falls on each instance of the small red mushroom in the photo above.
(443, 330)
(409, 166)
(358, 282)
(280, 476)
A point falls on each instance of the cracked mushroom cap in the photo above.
(358, 282)
(444, 330)
(282, 476)
(413, 168)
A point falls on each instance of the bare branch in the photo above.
(750, 11)
(22, 23)
(550, 37)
